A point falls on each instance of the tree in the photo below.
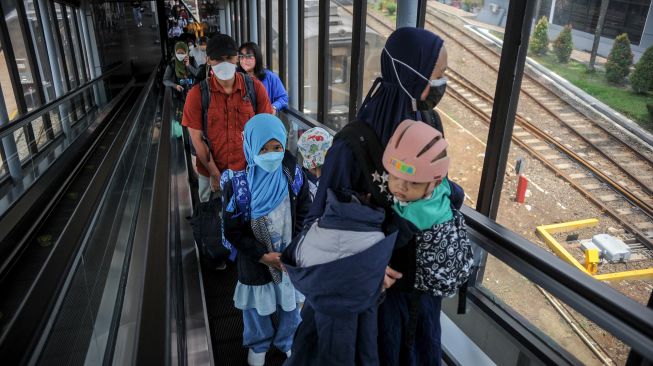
(642, 78)
(540, 39)
(597, 33)
(563, 45)
(619, 60)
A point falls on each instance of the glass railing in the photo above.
(85, 323)
(31, 144)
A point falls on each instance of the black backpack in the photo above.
(207, 231)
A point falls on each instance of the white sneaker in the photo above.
(255, 359)
(289, 353)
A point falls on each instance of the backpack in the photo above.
(206, 224)
(241, 197)
(443, 272)
(250, 94)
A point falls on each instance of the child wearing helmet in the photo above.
(313, 145)
(437, 261)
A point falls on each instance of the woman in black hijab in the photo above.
(412, 66)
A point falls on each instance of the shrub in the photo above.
(649, 106)
(642, 78)
(563, 45)
(619, 60)
(540, 39)
(392, 8)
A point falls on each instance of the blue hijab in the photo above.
(389, 105)
(268, 190)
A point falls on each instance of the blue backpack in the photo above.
(241, 198)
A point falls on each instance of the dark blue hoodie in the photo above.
(340, 312)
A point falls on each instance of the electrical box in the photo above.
(611, 248)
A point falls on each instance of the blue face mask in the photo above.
(269, 162)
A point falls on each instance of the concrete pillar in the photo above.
(407, 13)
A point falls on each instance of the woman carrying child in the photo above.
(264, 208)
(412, 65)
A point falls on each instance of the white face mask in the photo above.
(180, 56)
(434, 83)
(224, 70)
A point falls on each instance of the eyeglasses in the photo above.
(247, 56)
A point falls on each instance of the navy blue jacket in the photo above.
(339, 318)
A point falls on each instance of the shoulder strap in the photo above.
(368, 152)
(206, 99)
(249, 90)
(295, 179)
(242, 196)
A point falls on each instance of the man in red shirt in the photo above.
(229, 110)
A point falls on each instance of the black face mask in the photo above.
(435, 95)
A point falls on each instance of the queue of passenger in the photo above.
(367, 228)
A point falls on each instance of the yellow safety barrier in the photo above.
(591, 256)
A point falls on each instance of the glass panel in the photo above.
(379, 27)
(7, 90)
(339, 65)
(40, 132)
(21, 144)
(67, 47)
(38, 40)
(472, 71)
(583, 339)
(56, 123)
(576, 164)
(22, 60)
(311, 40)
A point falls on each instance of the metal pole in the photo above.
(51, 48)
(268, 34)
(300, 55)
(323, 57)
(293, 54)
(421, 13)
(282, 42)
(9, 146)
(511, 69)
(357, 69)
(252, 6)
(227, 17)
(407, 13)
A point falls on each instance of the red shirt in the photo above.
(226, 120)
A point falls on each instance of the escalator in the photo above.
(55, 229)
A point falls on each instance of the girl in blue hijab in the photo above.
(277, 202)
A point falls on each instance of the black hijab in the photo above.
(387, 104)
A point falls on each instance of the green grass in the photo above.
(620, 98)
(497, 34)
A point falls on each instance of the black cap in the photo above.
(221, 45)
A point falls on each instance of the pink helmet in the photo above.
(417, 153)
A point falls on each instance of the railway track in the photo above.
(589, 138)
(592, 165)
(602, 190)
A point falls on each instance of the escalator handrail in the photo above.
(27, 118)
